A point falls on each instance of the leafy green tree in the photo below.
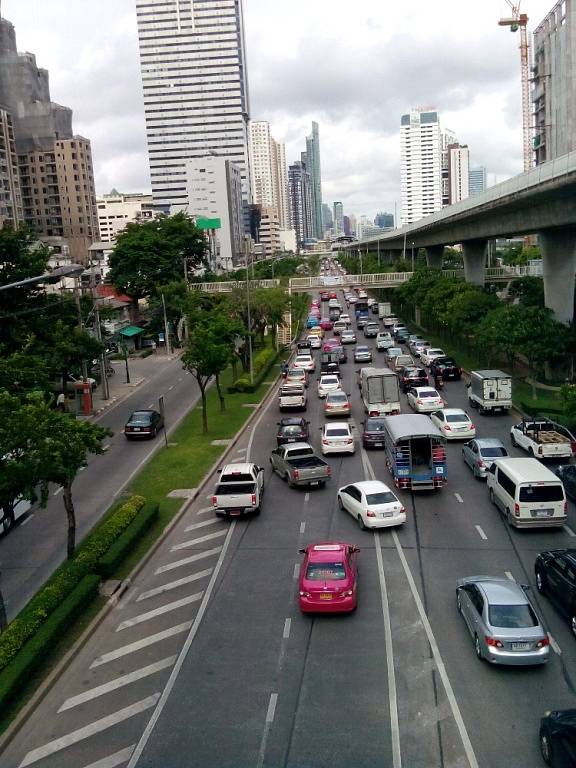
(529, 290)
(205, 356)
(152, 253)
(498, 334)
(466, 310)
(568, 395)
(23, 372)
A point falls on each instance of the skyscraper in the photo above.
(314, 168)
(299, 185)
(384, 220)
(477, 180)
(458, 172)
(420, 165)
(327, 220)
(280, 183)
(193, 65)
(338, 219)
(268, 171)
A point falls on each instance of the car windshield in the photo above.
(325, 572)
(337, 432)
(374, 425)
(512, 616)
(459, 418)
(493, 452)
(382, 497)
(541, 493)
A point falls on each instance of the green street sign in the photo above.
(208, 223)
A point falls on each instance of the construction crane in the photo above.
(519, 21)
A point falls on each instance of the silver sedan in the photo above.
(503, 623)
(480, 453)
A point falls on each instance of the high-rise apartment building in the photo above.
(458, 172)
(554, 83)
(269, 232)
(299, 187)
(338, 219)
(327, 220)
(280, 183)
(447, 138)
(268, 171)
(477, 180)
(193, 65)
(420, 165)
(10, 194)
(116, 210)
(314, 168)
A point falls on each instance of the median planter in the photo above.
(145, 518)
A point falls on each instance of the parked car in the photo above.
(567, 473)
(454, 423)
(424, 399)
(348, 337)
(328, 578)
(292, 429)
(362, 354)
(337, 438)
(337, 404)
(372, 504)
(555, 572)
(446, 368)
(373, 432)
(558, 738)
(503, 623)
(481, 452)
(428, 354)
(144, 423)
(411, 376)
(328, 383)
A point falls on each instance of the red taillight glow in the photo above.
(492, 641)
(214, 501)
(573, 447)
(254, 499)
(447, 428)
(325, 442)
(370, 513)
(543, 643)
(296, 474)
(517, 510)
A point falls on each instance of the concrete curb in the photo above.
(45, 687)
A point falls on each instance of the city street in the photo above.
(207, 661)
(31, 552)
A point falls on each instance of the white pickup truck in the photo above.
(239, 491)
(292, 395)
(543, 439)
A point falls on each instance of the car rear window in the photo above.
(541, 493)
(494, 452)
(226, 489)
(512, 616)
(336, 397)
(337, 432)
(236, 477)
(325, 571)
(140, 418)
(329, 380)
(382, 497)
(428, 393)
(292, 430)
(416, 373)
(374, 425)
(459, 418)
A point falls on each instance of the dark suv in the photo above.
(558, 738)
(410, 376)
(447, 368)
(556, 577)
(373, 432)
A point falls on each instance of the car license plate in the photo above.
(388, 513)
(544, 512)
(377, 445)
(135, 429)
(314, 482)
(520, 646)
(291, 439)
(325, 596)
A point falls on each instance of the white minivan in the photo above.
(527, 493)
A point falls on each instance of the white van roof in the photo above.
(527, 470)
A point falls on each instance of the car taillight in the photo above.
(370, 513)
(214, 501)
(471, 426)
(296, 474)
(350, 440)
(480, 463)
(325, 442)
(517, 510)
(420, 402)
(493, 642)
(402, 509)
(540, 450)
(253, 499)
(328, 470)
(348, 593)
(543, 643)
(447, 428)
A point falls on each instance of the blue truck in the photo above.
(415, 452)
(362, 312)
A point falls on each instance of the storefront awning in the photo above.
(131, 330)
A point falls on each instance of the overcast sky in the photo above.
(354, 67)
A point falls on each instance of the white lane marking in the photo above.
(392, 694)
(183, 653)
(151, 405)
(481, 533)
(250, 440)
(174, 584)
(25, 522)
(467, 744)
(51, 747)
(307, 496)
(112, 761)
(302, 526)
(508, 575)
(187, 560)
(125, 650)
(554, 645)
(202, 524)
(200, 540)
(296, 571)
(142, 617)
(118, 682)
(569, 530)
(240, 450)
(271, 708)
(107, 446)
(287, 626)
(171, 388)
(459, 498)
(82, 468)
(203, 510)
(180, 379)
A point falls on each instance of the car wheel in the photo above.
(361, 523)
(509, 518)
(256, 511)
(458, 601)
(546, 748)
(340, 504)
(573, 624)
(478, 648)
(7, 523)
(473, 403)
(491, 496)
(540, 582)
(513, 440)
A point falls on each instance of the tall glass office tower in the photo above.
(193, 65)
(313, 166)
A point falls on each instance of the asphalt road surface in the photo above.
(208, 663)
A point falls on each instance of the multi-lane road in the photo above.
(208, 663)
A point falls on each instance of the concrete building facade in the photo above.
(193, 66)
(269, 232)
(10, 193)
(554, 83)
(214, 191)
(384, 220)
(116, 210)
(477, 180)
(280, 182)
(420, 165)
(261, 163)
(458, 172)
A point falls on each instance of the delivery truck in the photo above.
(384, 309)
(379, 391)
(490, 390)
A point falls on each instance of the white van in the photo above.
(527, 493)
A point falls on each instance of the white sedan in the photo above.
(372, 504)
(337, 438)
(345, 319)
(424, 399)
(454, 423)
(429, 353)
(315, 341)
(306, 362)
(328, 383)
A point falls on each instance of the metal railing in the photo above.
(230, 285)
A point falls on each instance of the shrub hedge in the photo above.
(33, 652)
(114, 556)
(261, 363)
(65, 579)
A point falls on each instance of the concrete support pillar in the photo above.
(394, 256)
(434, 255)
(474, 261)
(558, 269)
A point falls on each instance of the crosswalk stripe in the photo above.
(159, 611)
(200, 540)
(204, 510)
(51, 747)
(174, 584)
(202, 524)
(118, 682)
(188, 560)
(125, 650)
(112, 761)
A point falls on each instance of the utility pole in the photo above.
(247, 251)
(98, 329)
(168, 345)
(80, 321)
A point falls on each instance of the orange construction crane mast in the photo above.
(519, 21)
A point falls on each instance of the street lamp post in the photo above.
(125, 353)
(247, 248)
(69, 270)
(412, 256)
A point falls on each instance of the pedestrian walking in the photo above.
(61, 402)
